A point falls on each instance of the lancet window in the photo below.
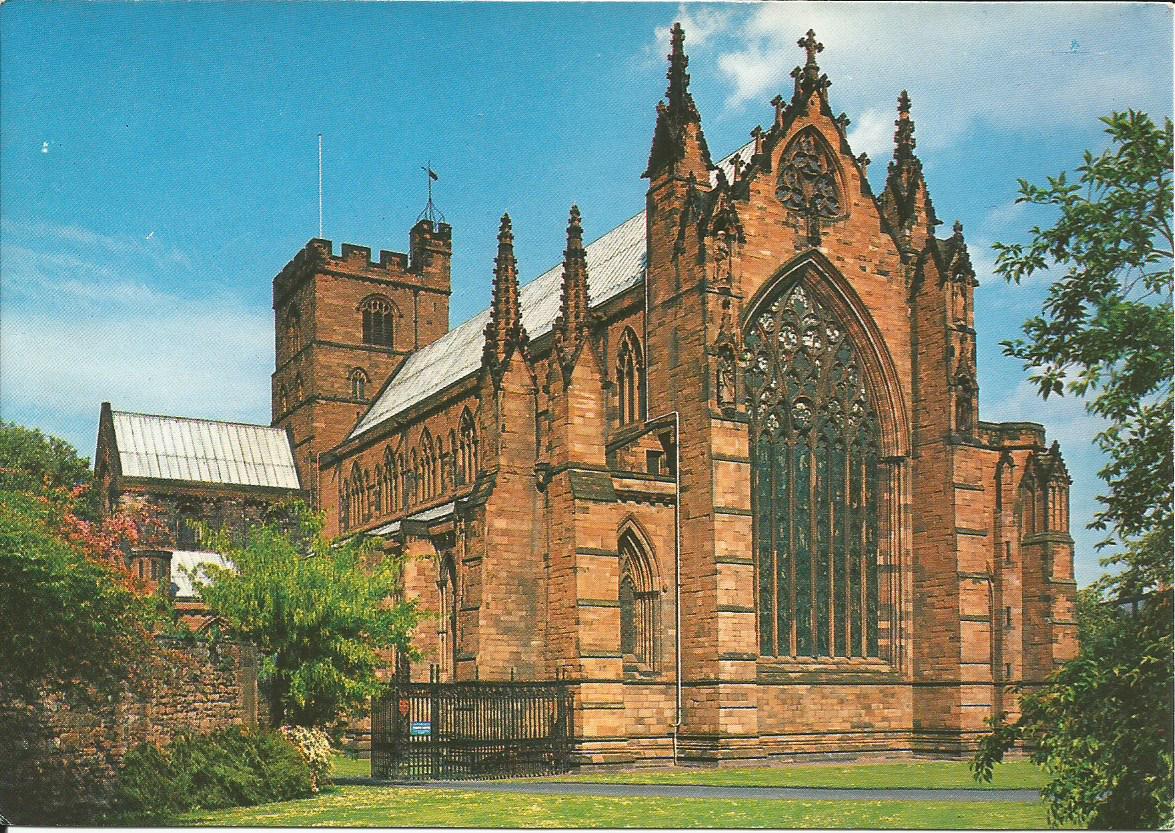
(628, 378)
(638, 604)
(467, 450)
(815, 483)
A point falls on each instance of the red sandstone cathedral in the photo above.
(722, 469)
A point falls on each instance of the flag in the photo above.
(432, 174)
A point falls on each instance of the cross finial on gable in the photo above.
(808, 44)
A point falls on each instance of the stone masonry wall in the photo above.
(62, 753)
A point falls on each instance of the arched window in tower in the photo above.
(358, 381)
(378, 315)
(467, 452)
(447, 621)
(638, 605)
(815, 482)
(291, 330)
(628, 378)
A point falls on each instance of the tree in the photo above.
(73, 616)
(1102, 724)
(324, 614)
(35, 463)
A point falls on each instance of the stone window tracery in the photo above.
(358, 380)
(467, 451)
(377, 321)
(808, 183)
(815, 483)
(628, 378)
(638, 604)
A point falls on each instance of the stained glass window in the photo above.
(815, 483)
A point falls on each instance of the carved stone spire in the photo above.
(678, 136)
(572, 326)
(903, 137)
(505, 332)
(959, 266)
(808, 78)
(906, 201)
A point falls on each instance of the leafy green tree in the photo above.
(71, 615)
(1102, 725)
(70, 618)
(36, 463)
(324, 614)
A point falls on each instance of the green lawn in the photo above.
(934, 775)
(343, 767)
(406, 807)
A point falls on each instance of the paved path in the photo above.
(696, 791)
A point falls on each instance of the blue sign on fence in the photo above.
(420, 728)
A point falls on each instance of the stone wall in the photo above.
(62, 753)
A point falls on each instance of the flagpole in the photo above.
(320, 185)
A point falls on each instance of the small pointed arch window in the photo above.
(391, 472)
(360, 505)
(378, 321)
(447, 621)
(283, 399)
(467, 449)
(638, 604)
(358, 379)
(427, 467)
(291, 329)
(628, 378)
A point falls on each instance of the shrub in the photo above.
(314, 746)
(231, 767)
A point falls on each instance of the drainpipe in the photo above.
(676, 571)
(676, 525)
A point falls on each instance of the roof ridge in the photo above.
(199, 419)
(438, 350)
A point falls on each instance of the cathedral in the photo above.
(722, 469)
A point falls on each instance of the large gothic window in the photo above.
(815, 484)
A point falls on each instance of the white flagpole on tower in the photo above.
(320, 185)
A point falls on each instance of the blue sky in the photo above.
(158, 162)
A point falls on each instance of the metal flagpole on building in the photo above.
(320, 185)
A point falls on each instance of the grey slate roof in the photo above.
(616, 262)
(203, 451)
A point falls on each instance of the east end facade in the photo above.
(722, 469)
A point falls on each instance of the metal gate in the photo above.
(471, 730)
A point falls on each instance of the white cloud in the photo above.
(87, 318)
(1024, 68)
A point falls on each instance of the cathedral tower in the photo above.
(343, 325)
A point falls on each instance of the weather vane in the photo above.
(431, 212)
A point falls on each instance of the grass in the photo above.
(930, 775)
(342, 766)
(407, 807)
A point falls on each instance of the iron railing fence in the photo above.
(471, 730)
